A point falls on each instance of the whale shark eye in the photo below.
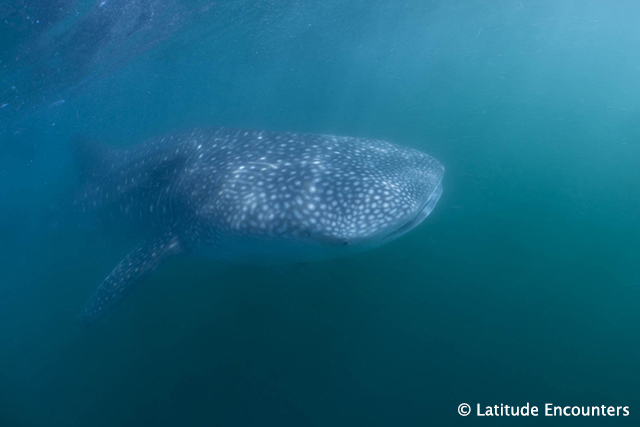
(333, 241)
(305, 234)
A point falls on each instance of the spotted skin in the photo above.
(140, 262)
(254, 196)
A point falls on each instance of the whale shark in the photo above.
(250, 196)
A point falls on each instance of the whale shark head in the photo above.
(311, 197)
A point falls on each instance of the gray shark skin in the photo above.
(252, 197)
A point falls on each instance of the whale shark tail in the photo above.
(92, 158)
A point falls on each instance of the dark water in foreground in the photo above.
(522, 286)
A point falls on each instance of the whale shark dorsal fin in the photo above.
(131, 271)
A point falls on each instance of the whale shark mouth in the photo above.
(419, 217)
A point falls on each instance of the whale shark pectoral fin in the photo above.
(131, 271)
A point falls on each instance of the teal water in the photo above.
(522, 286)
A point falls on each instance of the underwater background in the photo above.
(523, 285)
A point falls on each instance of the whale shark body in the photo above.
(252, 196)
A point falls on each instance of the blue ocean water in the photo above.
(521, 287)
